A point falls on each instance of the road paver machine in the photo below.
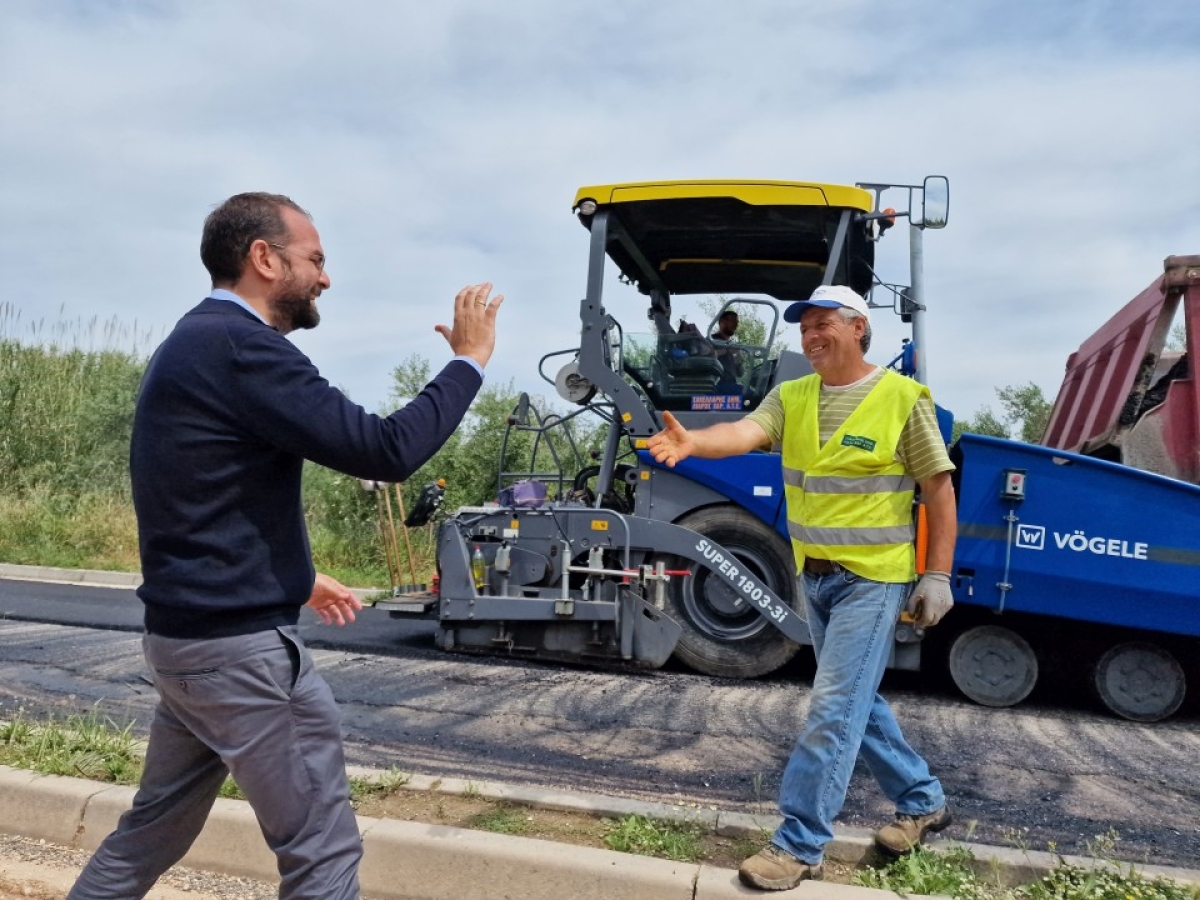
(1066, 551)
(635, 562)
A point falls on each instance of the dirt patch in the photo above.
(581, 829)
(10, 890)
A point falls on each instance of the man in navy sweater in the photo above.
(228, 411)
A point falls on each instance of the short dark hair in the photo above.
(232, 227)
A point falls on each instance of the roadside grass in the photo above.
(955, 873)
(946, 873)
(80, 746)
(44, 526)
(94, 747)
(502, 818)
(655, 837)
(91, 531)
(385, 785)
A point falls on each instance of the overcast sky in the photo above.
(439, 144)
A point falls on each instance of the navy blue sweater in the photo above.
(228, 411)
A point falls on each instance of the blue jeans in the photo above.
(852, 621)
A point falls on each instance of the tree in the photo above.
(470, 459)
(1027, 410)
(1177, 340)
(408, 379)
(983, 422)
(1025, 413)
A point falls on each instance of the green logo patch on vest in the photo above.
(862, 443)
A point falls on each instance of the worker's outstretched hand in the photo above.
(332, 601)
(671, 445)
(474, 331)
(931, 599)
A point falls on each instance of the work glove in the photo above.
(931, 599)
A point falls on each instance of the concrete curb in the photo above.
(850, 846)
(93, 577)
(414, 861)
(402, 860)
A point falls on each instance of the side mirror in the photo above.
(935, 202)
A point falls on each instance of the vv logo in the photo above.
(1031, 537)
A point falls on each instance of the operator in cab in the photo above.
(727, 354)
(857, 441)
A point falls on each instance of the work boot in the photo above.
(907, 831)
(773, 869)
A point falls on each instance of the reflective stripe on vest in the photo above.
(852, 537)
(841, 484)
(850, 500)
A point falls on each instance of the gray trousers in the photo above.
(252, 706)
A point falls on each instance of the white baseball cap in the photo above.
(828, 296)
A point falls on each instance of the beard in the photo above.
(295, 307)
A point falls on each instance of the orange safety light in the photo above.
(888, 221)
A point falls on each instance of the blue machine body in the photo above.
(753, 481)
(1091, 540)
(1088, 540)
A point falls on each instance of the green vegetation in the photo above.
(1177, 339)
(1025, 412)
(503, 818)
(925, 871)
(954, 873)
(471, 791)
(1110, 882)
(47, 527)
(387, 784)
(94, 747)
(230, 790)
(79, 747)
(66, 412)
(655, 837)
(470, 460)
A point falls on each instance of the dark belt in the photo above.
(814, 566)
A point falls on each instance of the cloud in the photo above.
(442, 144)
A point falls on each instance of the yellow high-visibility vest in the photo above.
(850, 501)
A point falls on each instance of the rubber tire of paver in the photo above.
(1140, 681)
(993, 665)
(720, 638)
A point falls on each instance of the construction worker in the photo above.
(856, 439)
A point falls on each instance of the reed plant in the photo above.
(344, 528)
(44, 527)
(66, 406)
(67, 392)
